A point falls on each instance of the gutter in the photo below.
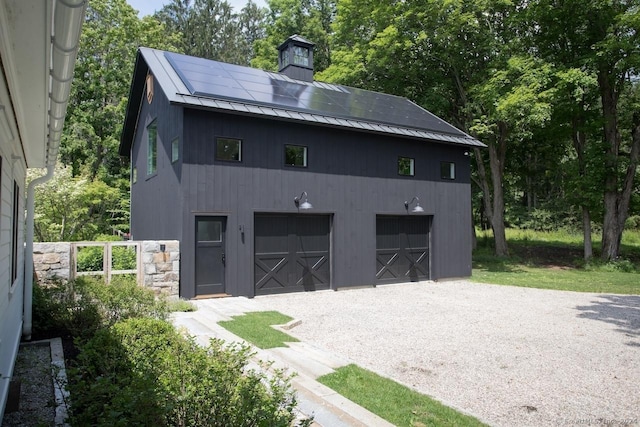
(67, 19)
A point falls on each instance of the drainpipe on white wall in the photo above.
(67, 19)
(28, 253)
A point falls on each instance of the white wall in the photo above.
(11, 294)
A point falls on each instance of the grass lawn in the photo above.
(554, 261)
(393, 401)
(255, 327)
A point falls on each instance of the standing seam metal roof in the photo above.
(204, 83)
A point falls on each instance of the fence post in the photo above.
(106, 266)
(140, 267)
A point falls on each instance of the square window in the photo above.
(229, 149)
(152, 148)
(175, 150)
(447, 170)
(295, 155)
(406, 166)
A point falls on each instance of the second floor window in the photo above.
(406, 166)
(229, 149)
(295, 155)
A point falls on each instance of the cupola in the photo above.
(295, 58)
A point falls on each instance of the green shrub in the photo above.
(90, 258)
(83, 306)
(149, 374)
(632, 223)
(122, 299)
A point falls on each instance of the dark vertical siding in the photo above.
(156, 201)
(352, 175)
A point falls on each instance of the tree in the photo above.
(72, 208)
(601, 38)
(210, 29)
(110, 38)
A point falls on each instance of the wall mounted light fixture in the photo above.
(305, 203)
(417, 208)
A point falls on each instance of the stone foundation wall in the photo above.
(158, 263)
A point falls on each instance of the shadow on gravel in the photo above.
(622, 311)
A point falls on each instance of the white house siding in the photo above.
(11, 294)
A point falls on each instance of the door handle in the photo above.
(224, 258)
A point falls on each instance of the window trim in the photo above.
(15, 233)
(152, 169)
(412, 166)
(451, 175)
(305, 159)
(240, 142)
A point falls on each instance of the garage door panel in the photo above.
(402, 248)
(291, 253)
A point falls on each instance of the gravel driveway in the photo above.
(510, 356)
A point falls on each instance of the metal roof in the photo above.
(204, 83)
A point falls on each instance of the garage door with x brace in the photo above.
(291, 253)
(402, 248)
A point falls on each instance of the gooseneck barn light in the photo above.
(305, 203)
(417, 208)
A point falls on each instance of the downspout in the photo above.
(27, 321)
(67, 18)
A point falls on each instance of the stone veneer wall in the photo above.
(159, 269)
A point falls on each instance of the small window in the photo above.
(229, 149)
(295, 155)
(175, 150)
(134, 175)
(406, 166)
(447, 170)
(152, 148)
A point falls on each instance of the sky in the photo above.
(148, 7)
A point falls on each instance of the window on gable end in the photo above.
(152, 148)
(175, 150)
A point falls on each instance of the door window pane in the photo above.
(209, 231)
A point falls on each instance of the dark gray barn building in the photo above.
(273, 182)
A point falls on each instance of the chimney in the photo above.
(295, 58)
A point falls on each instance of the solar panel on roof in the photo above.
(218, 80)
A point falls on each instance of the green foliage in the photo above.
(181, 305)
(394, 402)
(211, 29)
(143, 372)
(83, 306)
(255, 327)
(71, 208)
(633, 222)
(553, 260)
